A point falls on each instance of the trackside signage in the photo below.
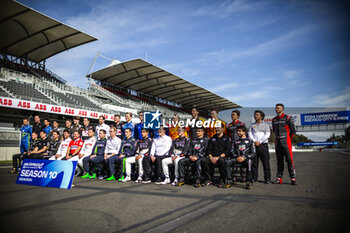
(47, 173)
(325, 118)
(317, 143)
(49, 108)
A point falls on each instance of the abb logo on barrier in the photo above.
(31, 105)
(5, 102)
(23, 104)
(41, 107)
(69, 111)
(55, 109)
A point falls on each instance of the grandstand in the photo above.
(30, 37)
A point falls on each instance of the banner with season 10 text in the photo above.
(47, 173)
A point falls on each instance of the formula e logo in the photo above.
(152, 120)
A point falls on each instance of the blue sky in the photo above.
(255, 53)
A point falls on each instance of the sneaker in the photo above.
(13, 171)
(248, 185)
(267, 182)
(197, 184)
(127, 178)
(85, 176)
(158, 180)
(278, 181)
(166, 181)
(93, 176)
(121, 178)
(146, 181)
(208, 183)
(221, 185)
(112, 177)
(227, 184)
(175, 182)
(139, 180)
(100, 177)
(181, 182)
(293, 181)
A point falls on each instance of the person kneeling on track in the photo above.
(112, 149)
(127, 149)
(178, 152)
(85, 151)
(62, 149)
(143, 148)
(160, 150)
(197, 151)
(219, 147)
(17, 158)
(243, 152)
(74, 146)
(96, 158)
(52, 145)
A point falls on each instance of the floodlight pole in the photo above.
(92, 66)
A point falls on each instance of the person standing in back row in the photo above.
(232, 127)
(259, 132)
(283, 127)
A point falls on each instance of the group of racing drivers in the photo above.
(119, 151)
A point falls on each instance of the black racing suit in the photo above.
(143, 146)
(84, 132)
(283, 127)
(232, 130)
(97, 161)
(119, 128)
(52, 147)
(41, 144)
(216, 147)
(197, 148)
(243, 147)
(38, 127)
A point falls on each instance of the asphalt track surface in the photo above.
(319, 203)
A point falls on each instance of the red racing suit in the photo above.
(283, 127)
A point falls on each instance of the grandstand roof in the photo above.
(33, 35)
(144, 77)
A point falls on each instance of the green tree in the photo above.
(341, 139)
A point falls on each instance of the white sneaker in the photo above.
(126, 179)
(175, 182)
(166, 181)
(139, 180)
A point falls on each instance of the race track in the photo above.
(319, 203)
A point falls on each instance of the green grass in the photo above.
(5, 161)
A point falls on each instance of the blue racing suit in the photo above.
(129, 125)
(26, 135)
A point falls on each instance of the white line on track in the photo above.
(172, 224)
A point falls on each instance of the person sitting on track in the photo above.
(178, 151)
(160, 150)
(143, 148)
(112, 149)
(17, 158)
(197, 152)
(243, 152)
(94, 163)
(128, 149)
(219, 147)
(86, 150)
